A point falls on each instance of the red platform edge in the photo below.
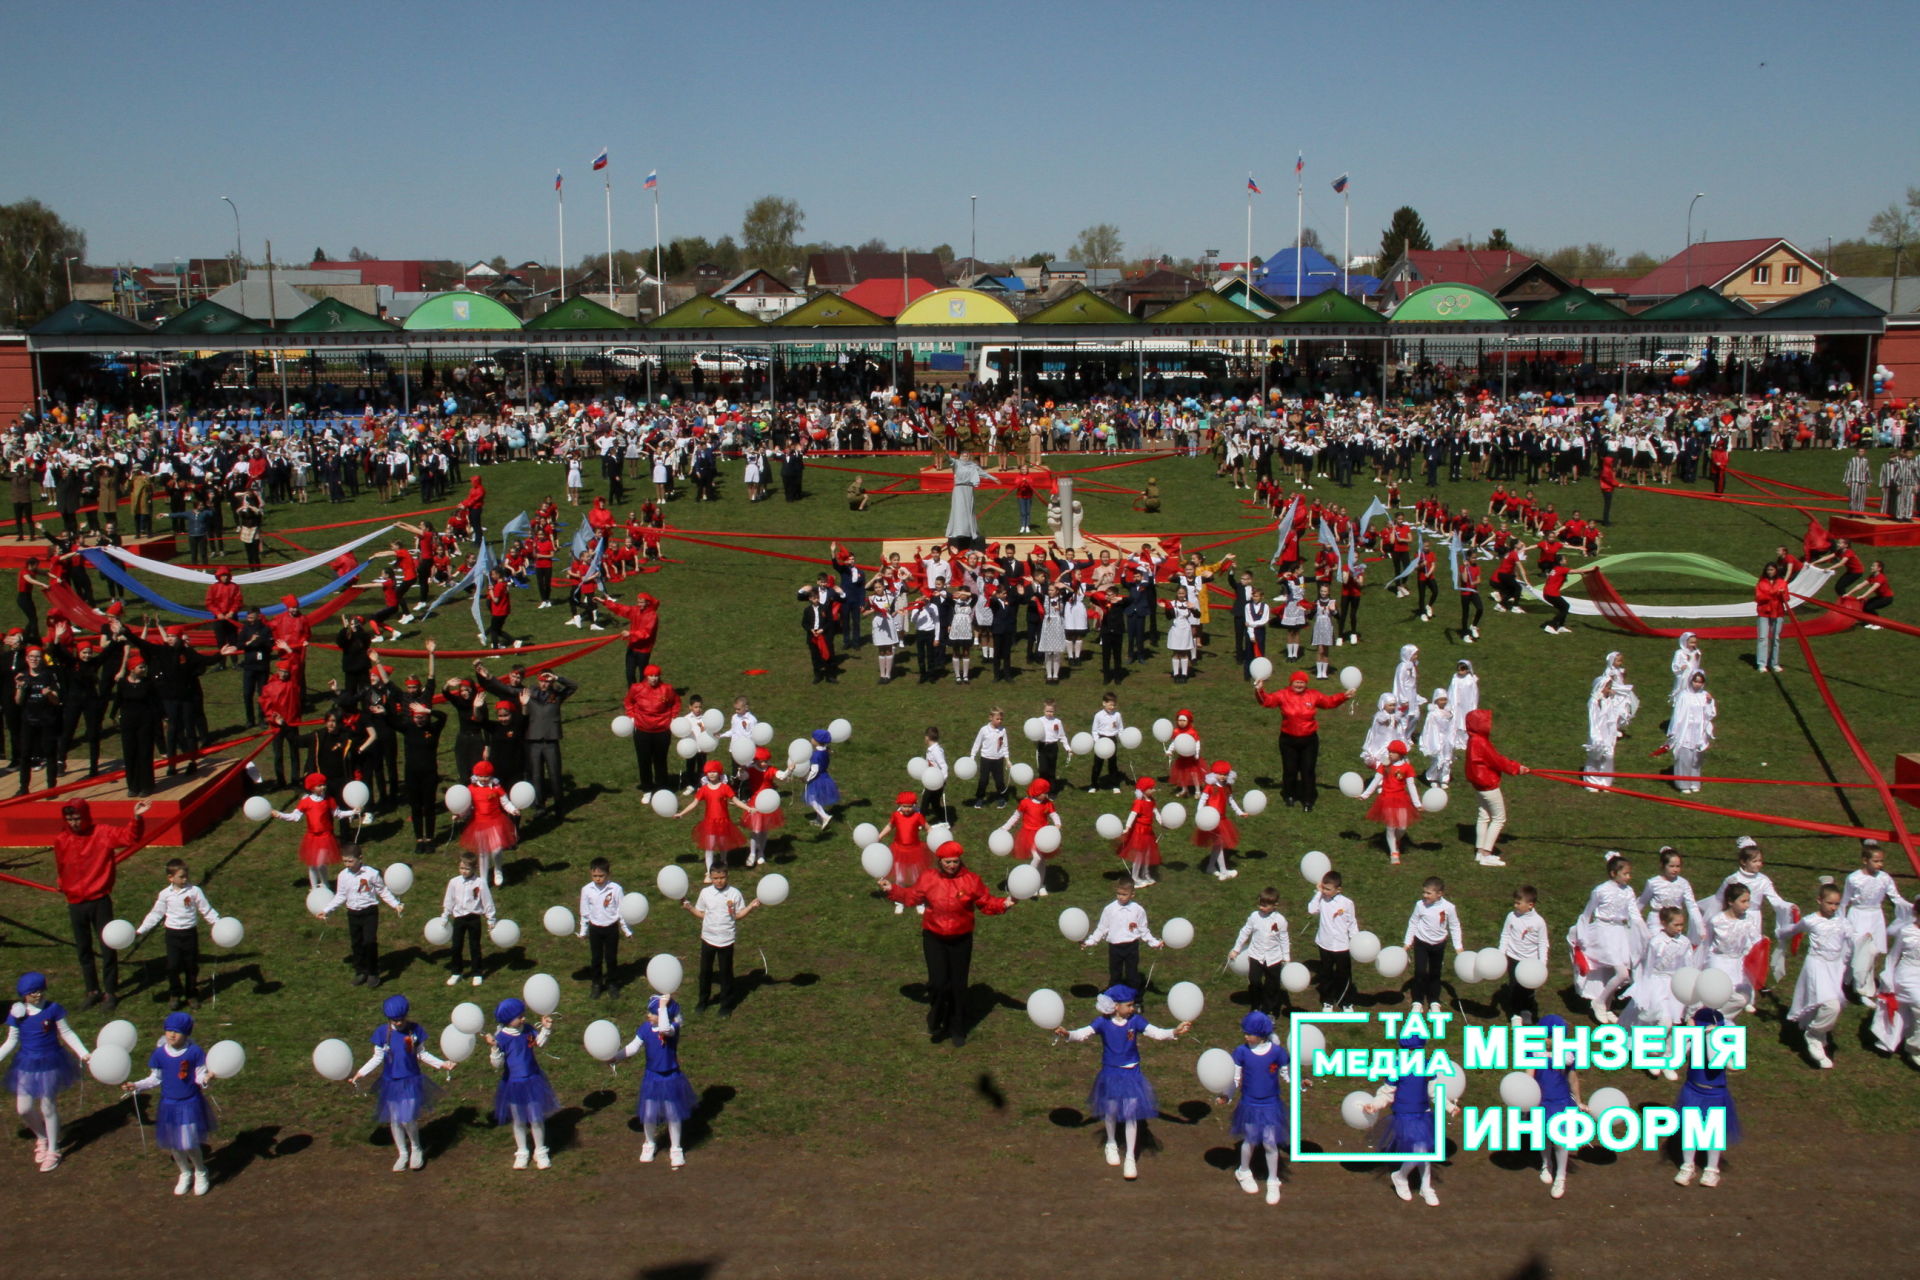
(32, 821)
(1871, 531)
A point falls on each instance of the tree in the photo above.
(769, 229)
(1040, 259)
(357, 254)
(1098, 246)
(1497, 239)
(321, 255)
(872, 245)
(498, 262)
(34, 247)
(1894, 225)
(944, 252)
(1310, 239)
(1589, 259)
(1405, 231)
(1639, 263)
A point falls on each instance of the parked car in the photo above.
(1665, 362)
(622, 360)
(727, 361)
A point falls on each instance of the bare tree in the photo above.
(1098, 246)
(768, 231)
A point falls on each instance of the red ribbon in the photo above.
(1802, 824)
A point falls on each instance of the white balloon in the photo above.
(227, 932)
(1353, 1109)
(459, 799)
(917, 768)
(1131, 738)
(1434, 800)
(1312, 1040)
(1391, 962)
(399, 878)
(865, 834)
(118, 1032)
(1351, 785)
(772, 889)
(1261, 668)
(542, 993)
(634, 907)
(1103, 748)
(356, 794)
(258, 808)
(799, 751)
(681, 727)
(1046, 1009)
(741, 750)
(877, 860)
(558, 921)
(704, 742)
(1081, 743)
(1186, 745)
(622, 726)
(1295, 977)
(664, 974)
(1047, 840)
(1713, 988)
(1173, 815)
(1035, 728)
(601, 1040)
(672, 882)
(1465, 967)
(1162, 729)
(1601, 1101)
(933, 778)
(768, 801)
(333, 1059)
(523, 795)
(1490, 964)
(505, 934)
(1023, 881)
(1519, 1090)
(1531, 974)
(762, 734)
(1000, 843)
(1364, 947)
(226, 1059)
(1177, 933)
(713, 720)
(438, 931)
(1022, 775)
(1206, 817)
(1240, 964)
(110, 1064)
(1350, 678)
(664, 803)
(966, 768)
(1254, 802)
(1453, 1078)
(318, 900)
(1683, 982)
(118, 935)
(1110, 826)
(840, 730)
(1314, 867)
(1074, 925)
(1185, 1001)
(455, 1045)
(1215, 1069)
(469, 1017)
(938, 834)
(686, 748)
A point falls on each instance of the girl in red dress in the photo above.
(490, 830)
(1138, 846)
(319, 847)
(757, 779)
(1034, 814)
(1187, 772)
(908, 828)
(1395, 808)
(714, 835)
(1216, 793)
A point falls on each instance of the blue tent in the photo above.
(1278, 277)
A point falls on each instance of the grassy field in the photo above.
(829, 1029)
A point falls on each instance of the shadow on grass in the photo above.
(697, 1269)
(249, 1145)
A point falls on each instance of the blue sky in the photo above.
(433, 130)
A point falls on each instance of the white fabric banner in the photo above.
(281, 573)
(1807, 582)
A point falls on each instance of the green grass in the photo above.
(829, 1044)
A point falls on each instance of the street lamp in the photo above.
(1687, 269)
(973, 231)
(70, 260)
(238, 253)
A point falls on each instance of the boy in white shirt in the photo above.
(719, 909)
(1522, 937)
(1334, 938)
(602, 925)
(1433, 921)
(1268, 943)
(1107, 725)
(990, 750)
(361, 889)
(1123, 927)
(465, 904)
(178, 904)
(1053, 739)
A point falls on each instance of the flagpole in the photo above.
(560, 205)
(1346, 238)
(659, 285)
(1247, 265)
(612, 280)
(1299, 221)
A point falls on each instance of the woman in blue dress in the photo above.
(1121, 1092)
(404, 1094)
(523, 1097)
(1260, 1116)
(1705, 1089)
(822, 791)
(178, 1068)
(1559, 1091)
(665, 1096)
(49, 1060)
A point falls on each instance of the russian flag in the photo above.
(600, 161)
(1300, 163)
(1340, 183)
(653, 180)
(556, 179)
(1252, 185)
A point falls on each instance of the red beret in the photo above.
(714, 766)
(316, 782)
(906, 797)
(484, 769)
(951, 849)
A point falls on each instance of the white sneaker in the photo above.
(1431, 1196)
(201, 1183)
(1559, 1188)
(676, 1158)
(498, 878)
(1247, 1184)
(899, 908)
(598, 627)
(1418, 1007)
(540, 1158)
(400, 1163)
(1516, 1021)
(1546, 1174)
(180, 1186)
(1273, 1191)
(477, 979)
(646, 1152)
(1400, 1187)
(1685, 1176)
(1113, 1153)
(573, 621)
(417, 1159)
(453, 980)
(1043, 891)
(546, 604)
(519, 1159)
(1129, 1170)
(1818, 1053)
(1711, 1178)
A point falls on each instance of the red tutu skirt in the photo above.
(1139, 845)
(1226, 835)
(322, 850)
(717, 835)
(488, 836)
(1392, 809)
(1187, 771)
(1023, 843)
(760, 823)
(909, 862)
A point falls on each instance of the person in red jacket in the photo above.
(643, 628)
(1609, 481)
(83, 857)
(224, 603)
(951, 894)
(499, 609)
(1770, 603)
(1485, 765)
(1300, 709)
(652, 703)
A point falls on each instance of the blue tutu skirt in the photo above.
(664, 1098)
(1121, 1093)
(823, 791)
(1410, 1133)
(184, 1124)
(1709, 1100)
(526, 1101)
(43, 1079)
(1260, 1121)
(403, 1100)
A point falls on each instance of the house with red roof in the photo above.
(886, 297)
(1758, 272)
(1514, 278)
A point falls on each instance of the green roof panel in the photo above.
(461, 310)
(1331, 307)
(1576, 306)
(702, 312)
(1449, 304)
(580, 314)
(77, 318)
(330, 315)
(208, 316)
(1828, 302)
(1697, 303)
(1205, 307)
(1082, 306)
(830, 310)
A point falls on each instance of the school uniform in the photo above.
(718, 930)
(1107, 726)
(177, 907)
(1123, 929)
(1334, 938)
(1522, 937)
(1428, 929)
(465, 904)
(361, 893)
(603, 925)
(1267, 942)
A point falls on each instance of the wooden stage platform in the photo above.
(14, 551)
(182, 807)
(1875, 531)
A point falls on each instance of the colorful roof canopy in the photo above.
(958, 306)
(1448, 304)
(580, 313)
(461, 310)
(702, 312)
(330, 315)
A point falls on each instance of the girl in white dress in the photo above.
(1612, 937)
(1897, 1028)
(1687, 659)
(1861, 902)
(1650, 1000)
(574, 481)
(1053, 631)
(753, 474)
(1436, 739)
(1731, 933)
(1821, 993)
(1622, 688)
(1074, 619)
(886, 609)
(662, 476)
(1463, 694)
(1671, 889)
(1406, 679)
(1384, 729)
(1604, 710)
(1182, 626)
(1690, 732)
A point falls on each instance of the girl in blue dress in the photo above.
(1705, 1089)
(822, 791)
(1121, 1093)
(1405, 1107)
(49, 1061)
(1559, 1091)
(665, 1096)
(185, 1120)
(523, 1098)
(404, 1094)
(1260, 1117)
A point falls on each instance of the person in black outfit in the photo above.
(469, 706)
(175, 668)
(255, 643)
(136, 704)
(88, 681)
(793, 468)
(356, 655)
(40, 694)
(507, 743)
(1002, 627)
(419, 735)
(817, 625)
